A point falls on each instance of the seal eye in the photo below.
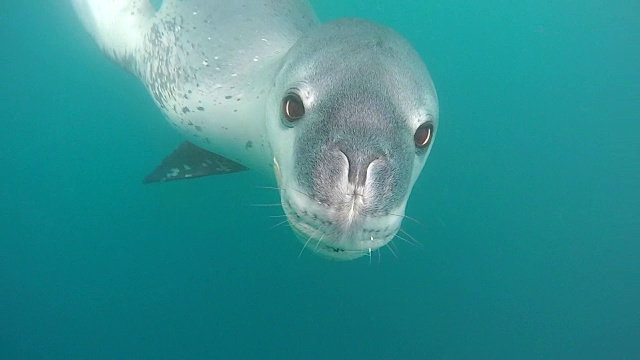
(423, 135)
(292, 107)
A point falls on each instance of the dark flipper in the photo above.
(190, 161)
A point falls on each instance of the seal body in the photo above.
(343, 113)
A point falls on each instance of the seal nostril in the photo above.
(358, 167)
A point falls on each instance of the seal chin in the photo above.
(338, 234)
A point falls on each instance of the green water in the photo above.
(528, 205)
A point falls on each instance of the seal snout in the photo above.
(356, 198)
(349, 208)
(351, 188)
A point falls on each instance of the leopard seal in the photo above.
(343, 114)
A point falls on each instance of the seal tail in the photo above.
(117, 26)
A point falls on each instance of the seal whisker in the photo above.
(280, 223)
(407, 241)
(414, 241)
(294, 189)
(392, 243)
(315, 249)
(370, 255)
(268, 187)
(265, 205)
(391, 249)
(307, 242)
(404, 216)
(280, 188)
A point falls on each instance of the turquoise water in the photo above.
(528, 205)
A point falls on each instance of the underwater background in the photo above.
(528, 206)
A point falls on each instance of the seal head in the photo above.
(351, 119)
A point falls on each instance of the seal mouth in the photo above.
(336, 232)
(315, 229)
(322, 244)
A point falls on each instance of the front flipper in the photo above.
(190, 161)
